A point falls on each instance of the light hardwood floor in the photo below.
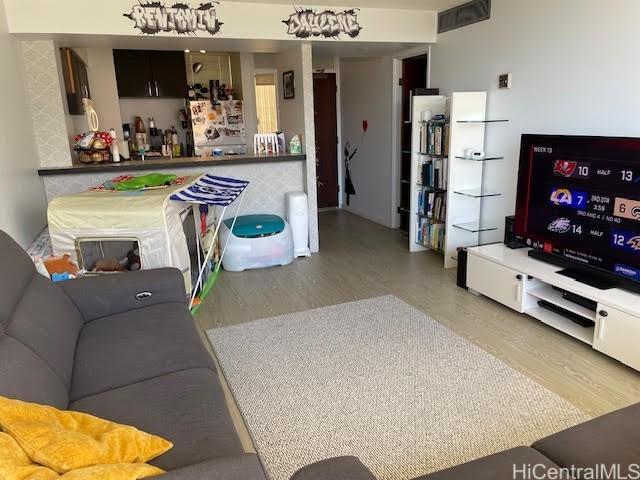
(359, 259)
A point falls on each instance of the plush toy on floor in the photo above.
(61, 268)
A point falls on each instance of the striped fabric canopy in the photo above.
(212, 190)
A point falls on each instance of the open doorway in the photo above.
(326, 126)
(266, 86)
(414, 77)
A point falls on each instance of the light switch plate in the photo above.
(504, 80)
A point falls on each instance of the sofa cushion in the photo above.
(335, 468)
(607, 440)
(239, 467)
(47, 322)
(187, 408)
(25, 376)
(499, 466)
(18, 272)
(137, 345)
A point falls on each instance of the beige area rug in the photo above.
(380, 380)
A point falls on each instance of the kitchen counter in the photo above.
(154, 163)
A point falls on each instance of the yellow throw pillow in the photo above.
(66, 440)
(16, 465)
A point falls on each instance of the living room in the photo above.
(502, 349)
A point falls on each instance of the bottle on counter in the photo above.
(115, 150)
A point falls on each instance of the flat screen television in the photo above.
(578, 206)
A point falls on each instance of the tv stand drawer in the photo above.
(497, 282)
(617, 335)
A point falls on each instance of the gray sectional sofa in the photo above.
(93, 346)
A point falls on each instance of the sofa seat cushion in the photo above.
(499, 466)
(137, 345)
(187, 408)
(239, 467)
(613, 439)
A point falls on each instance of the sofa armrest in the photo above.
(102, 295)
(241, 467)
(339, 468)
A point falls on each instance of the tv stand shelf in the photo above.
(519, 281)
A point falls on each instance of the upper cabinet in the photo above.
(76, 80)
(150, 73)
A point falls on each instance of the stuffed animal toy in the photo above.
(133, 260)
(108, 265)
(61, 265)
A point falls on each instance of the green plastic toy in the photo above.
(146, 181)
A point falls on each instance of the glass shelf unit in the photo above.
(483, 159)
(477, 193)
(424, 154)
(474, 227)
(405, 210)
(482, 121)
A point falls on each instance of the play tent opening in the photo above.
(170, 226)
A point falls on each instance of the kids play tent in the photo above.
(102, 223)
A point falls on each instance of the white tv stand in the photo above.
(518, 281)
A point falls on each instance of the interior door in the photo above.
(325, 116)
(169, 74)
(133, 73)
(414, 77)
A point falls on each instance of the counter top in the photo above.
(155, 163)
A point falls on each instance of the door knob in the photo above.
(603, 313)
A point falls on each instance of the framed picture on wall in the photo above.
(288, 86)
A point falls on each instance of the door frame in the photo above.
(339, 156)
(397, 119)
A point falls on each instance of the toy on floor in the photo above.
(61, 268)
(108, 265)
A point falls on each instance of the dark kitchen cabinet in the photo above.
(150, 73)
(76, 80)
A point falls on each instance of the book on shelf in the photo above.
(430, 235)
(434, 139)
(433, 173)
(432, 205)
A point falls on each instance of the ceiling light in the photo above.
(187, 51)
(203, 51)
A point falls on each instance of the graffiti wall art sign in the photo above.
(305, 23)
(154, 17)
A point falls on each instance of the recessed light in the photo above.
(187, 51)
(203, 51)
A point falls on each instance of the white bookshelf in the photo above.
(466, 195)
(437, 105)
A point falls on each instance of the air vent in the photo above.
(463, 15)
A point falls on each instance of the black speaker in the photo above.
(512, 240)
(462, 268)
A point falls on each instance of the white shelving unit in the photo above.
(437, 105)
(466, 196)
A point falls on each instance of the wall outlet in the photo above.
(504, 80)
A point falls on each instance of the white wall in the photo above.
(291, 110)
(23, 211)
(104, 89)
(366, 94)
(244, 20)
(575, 71)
